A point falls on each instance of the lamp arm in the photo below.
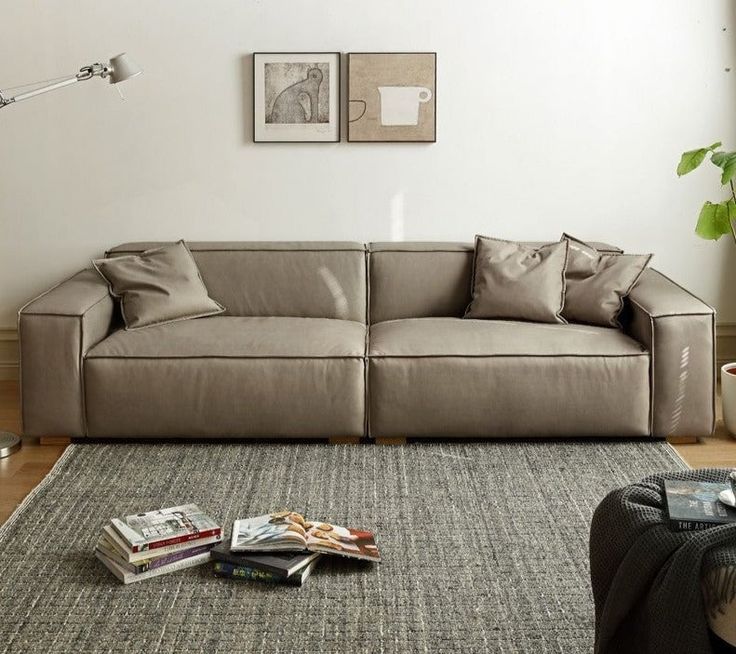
(44, 89)
(88, 72)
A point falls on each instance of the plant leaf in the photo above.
(715, 219)
(725, 213)
(691, 159)
(726, 161)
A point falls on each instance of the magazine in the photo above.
(289, 532)
(178, 524)
(694, 505)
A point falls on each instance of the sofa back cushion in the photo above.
(302, 279)
(424, 280)
(419, 280)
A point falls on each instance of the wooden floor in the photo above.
(22, 471)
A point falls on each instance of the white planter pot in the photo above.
(728, 396)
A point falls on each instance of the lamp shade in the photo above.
(123, 67)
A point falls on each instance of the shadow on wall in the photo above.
(725, 301)
(726, 290)
(246, 79)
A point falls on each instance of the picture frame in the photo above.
(296, 97)
(392, 97)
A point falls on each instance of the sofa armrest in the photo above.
(678, 329)
(56, 330)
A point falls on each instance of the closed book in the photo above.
(694, 505)
(244, 573)
(135, 557)
(283, 565)
(104, 546)
(164, 527)
(128, 577)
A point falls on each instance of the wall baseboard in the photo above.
(725, 343)
(10, 357)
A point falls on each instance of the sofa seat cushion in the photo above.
(483, 378)
(229, 376)
(237, 337)
(438, 337)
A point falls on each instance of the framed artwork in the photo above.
(392, 96)
(296, 97)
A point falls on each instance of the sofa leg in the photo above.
(390, 440)
(344, 440)
(54, 440)
(682, 440)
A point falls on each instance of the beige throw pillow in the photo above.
(514, 281)
(158, 286)
(598, 282)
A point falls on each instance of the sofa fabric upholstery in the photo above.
(481, 378)
(310, 348)
(300, 279)
(424, 279)
(513, 281)
(56, 331)
(158, 286)
(679, 331)
(236, 337)
(598, 282)
(230, 376)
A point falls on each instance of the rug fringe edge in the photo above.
(5, 527)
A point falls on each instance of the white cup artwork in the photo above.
(400, 104)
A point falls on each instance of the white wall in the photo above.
(552, 116)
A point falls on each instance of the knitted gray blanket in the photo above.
(646, 577)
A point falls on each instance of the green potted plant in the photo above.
(715, 220)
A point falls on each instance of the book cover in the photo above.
(243, 572)
(109, 550)
(128, 577)
(156, 529)
(288, 531)
(135, 557)
(694, 505)
(283, 565)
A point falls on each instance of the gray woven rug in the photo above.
(485, 548)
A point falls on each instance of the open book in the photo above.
(288, 531)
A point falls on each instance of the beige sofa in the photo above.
(346, 339)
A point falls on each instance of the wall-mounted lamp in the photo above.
(117, 70)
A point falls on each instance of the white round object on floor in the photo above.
(9, 443)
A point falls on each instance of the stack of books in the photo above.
(284, 547)
(147, 545)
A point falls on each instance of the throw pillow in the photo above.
(598, 282)
(518, 282)
(159, 286)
